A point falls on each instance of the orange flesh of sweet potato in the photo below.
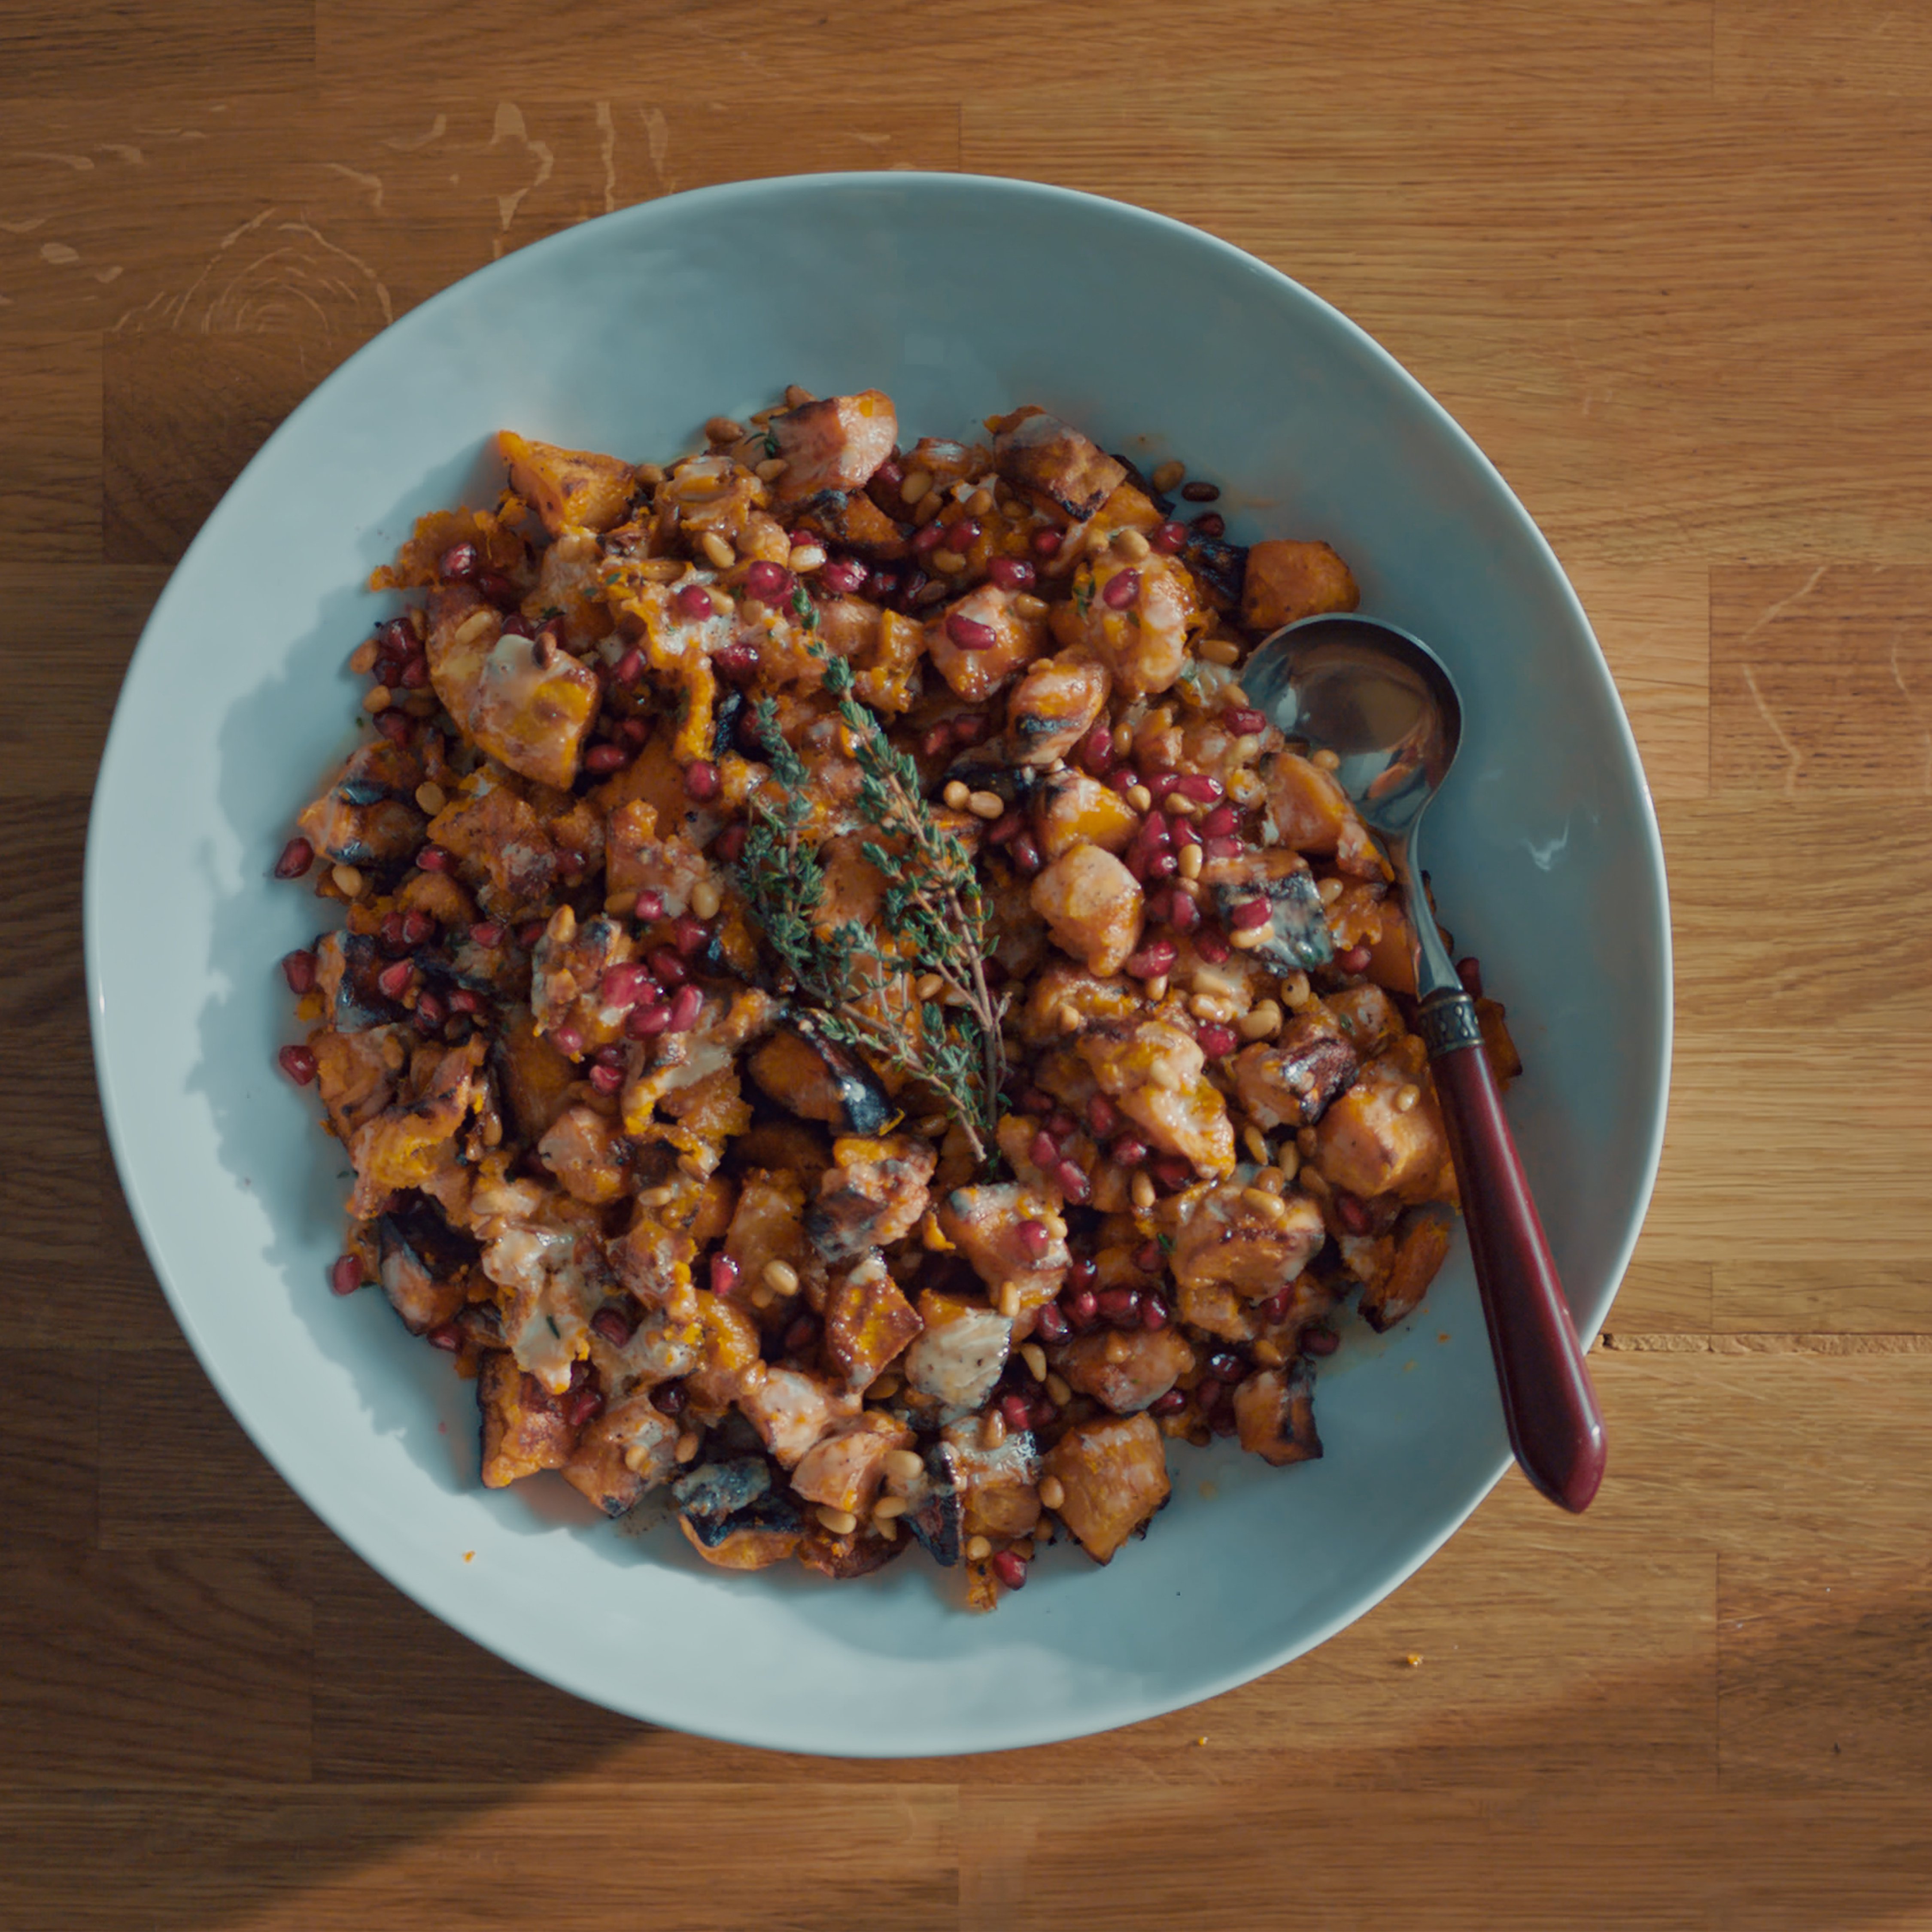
(567, 486)
(1114, 1474)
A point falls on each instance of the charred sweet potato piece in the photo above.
(843, 1469)
(957, 1358)
(1069, 808)
(1114, 1474)
(1296, 937)
(523, 1425)
(975, 674)
(1053, 463)
(535, 1079)
(1290, 1081)
(734, 1515)
(1137, 618)
(1418, 1255)
(1054, 706)
(369, 816)
(1287, 581)
(622, 1454)
(989, 1225)
(355, 1074)
(1274, 1415)
(998, 1489)
(1374, 1140)
(567, 487)
(802, 1069)
(1222, 1235)
(1153, 1072)
(1309, 808)
(834, 443)
(588, 1155)
(842, 1558)
(529, 704)
(768, 1225)
(868, 1322)
(792, 1408)
(1126, 1372)
(875, 1194)
(424, 1263)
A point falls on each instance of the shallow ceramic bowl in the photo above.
(960, 297)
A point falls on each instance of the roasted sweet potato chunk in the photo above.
(1126, 1372)
(567, 487)
(1287, 581)
(868, 1322)
(1093, 906)
(1418, 1255)
(524, 1426)
(1114, 1474)
(1274, 1415)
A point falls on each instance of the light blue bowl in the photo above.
(960, 297)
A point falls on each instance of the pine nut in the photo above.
(721, 600)
(806, 557)
(888, 1529)
(1167, 475)
(1331, 890)
(948, 563)
(841, 1522)
(1189, 862)
(1265, 1018)
(706, 899)
(979, 1549)
(979, 502)
(1295, 990)
(1124, 739)
(1206, 1007)
(715, 548)
(1132, 544)
(1034, 1357)
(1140, 798)
(916, 483)
(376, 699)
(1314, 1181)
(781, 1277)
(1117, 1349)
(929, 986)
(1408, 1099)
(956, 795)
(1052, 1492)
(992, 1429)
(688, 1445)
(903, 1463)
(1256, 1144)
(986, 805)
(1140, 1190)
(1027, 605)
(1056, 1387)
(1008, 1301)
(1256, 935)
(772, 469)
(1288, 1160)
(431, 797)
(887, 1507)
(1067, 1019)
(349, 882)
(362, 659)
(1221, 651)
(1328, 760)
(1156, 989)
(648, 472)
(1271, 1180)
(884, 1388)
(1262, 1203)
(796, 398)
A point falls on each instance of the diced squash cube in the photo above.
(1093, 905)
(1287, 581)
(1114, 1474)
(567, 486)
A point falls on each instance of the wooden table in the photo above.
(1669, 262)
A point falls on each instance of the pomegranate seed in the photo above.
(629, 667)
(584, 1407)
(1010, 1568)
(1059, 1124)
(389, 935)
(486, 932)
(1096, 750)
(613, 1325)
(634, 731)
(1049, 1322)
(736, 663)
(1201, 787)
(929, 538)
(1213, 525)
(889, 475)
(669, 1398)
(1169, 537)
(1470, 972)
(1153, 959)
(434, 858)
(498, 588)
(1355, 960)
(447, 1335)
(517, 625)
(1226, 1366)
(962, 535)
(1122, 588)
(1046, 543)
(459, 564)
(625, 986)
(398, 727)
(1215, 1040)
(394, 980)
(687, 1007)
(1201, 493)
(647, 1022)
(843, 575)
(1162, 865)
(668, 966)
(415, 675)
(1183, 833)
(298, 1063)
(1007, 827)
(769, 582)
(1120, 1304)
(1169, 1404)
(1045, 1152)
(1123, 778)
(1027, 858)
(430, 1011)
(1249, 914)
(1275, 1308)
(1319, 1341)
(1072, 1183)
(1035, 1239)
(693, 601)
(1102, 1116)
(463, 1000)
(1161, 784)
(690, 934)
(1015, 1412)
(396, 637)
(1219, 823)
(1148, 1257)
(1127, 1151)
(969, 634)
(529, 932)
(1243, 722)
(800, 1336)
(882, 585)
(418, 928)
(1229, 847)
(729, 846)
(1153, 1312)
(1172, 1172)
(1212, 948)
(298, 855)
(1352, 1214)
(1085, 1271)
(568, 1039)
(702, 780)
(1183, 915)
(1035, 1100)
(605, 758)
(345, 1274)
(1083, 1307)
(934, 742)
(726, 1273)
(649, 906)
(607, 1080)
(1011, 573)
(299, 969)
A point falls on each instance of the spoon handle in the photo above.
(1555, 1426)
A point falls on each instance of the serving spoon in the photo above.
(1381, 701)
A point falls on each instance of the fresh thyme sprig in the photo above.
(934, 925)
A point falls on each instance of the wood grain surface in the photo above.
(1669, 262)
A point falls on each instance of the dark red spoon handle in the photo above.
(1555, 1426)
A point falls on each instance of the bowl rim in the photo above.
(423, 317)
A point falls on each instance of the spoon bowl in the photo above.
(1378, 703)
